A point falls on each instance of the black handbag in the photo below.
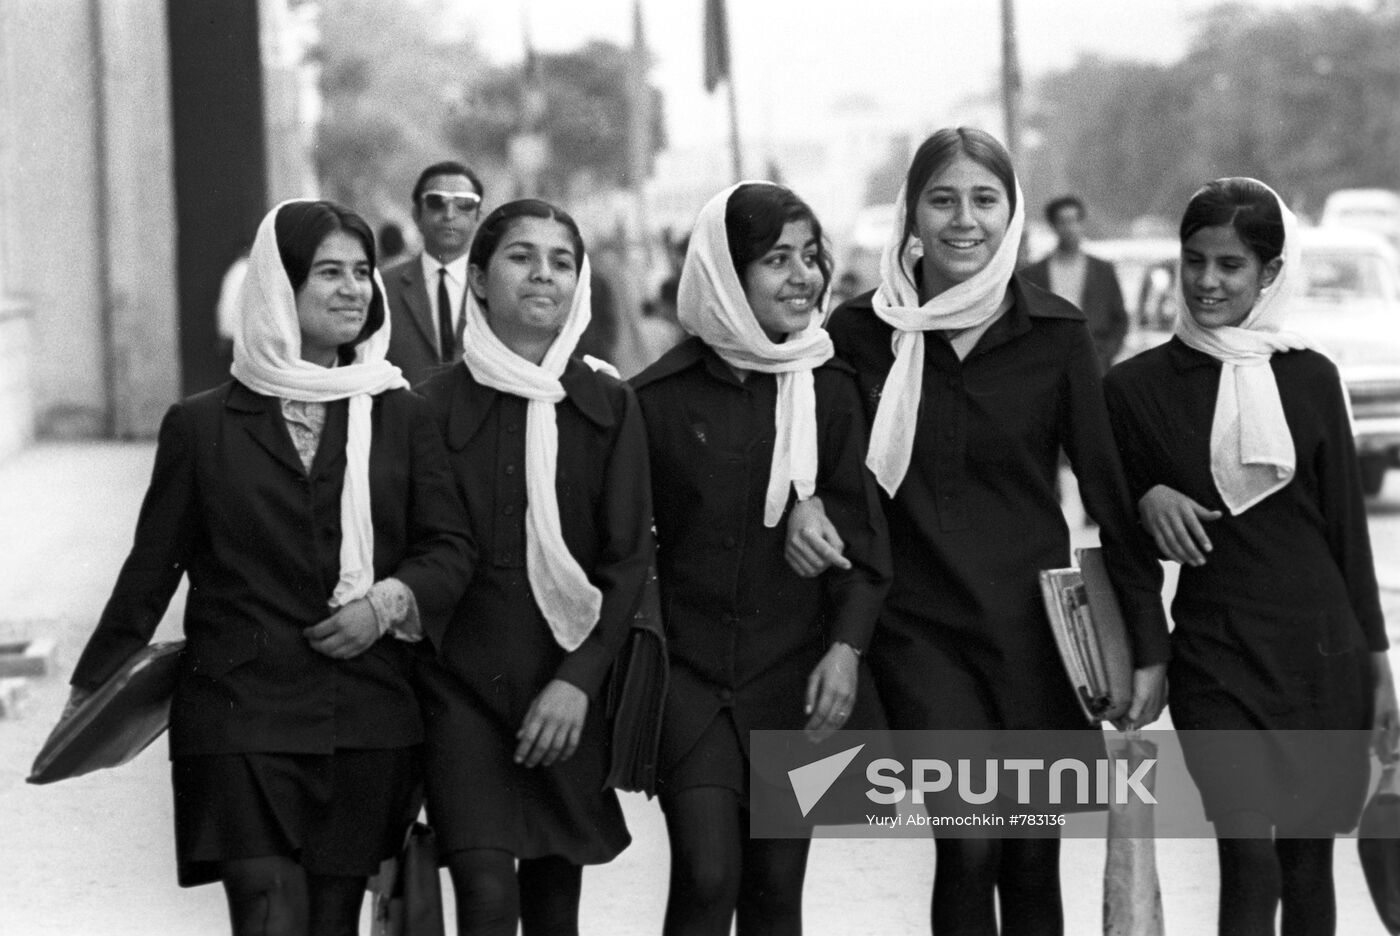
(1378, 840)
(408, 890)
(636, 697)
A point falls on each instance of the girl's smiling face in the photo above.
(1221, 278)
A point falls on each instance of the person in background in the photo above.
(426, 291)
(974, 380)
(311, 504)
(226, 312)
(550, 457)
(1278, 616)
(753, 645)
(1085, 280)
(391, 245)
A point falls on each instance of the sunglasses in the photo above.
(462, 201)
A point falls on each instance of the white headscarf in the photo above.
(569, 602)
(971, 304)
(711, 305)
(267, 359)
(1251, 449)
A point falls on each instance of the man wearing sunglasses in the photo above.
(425, 292)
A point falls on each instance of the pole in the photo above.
(735, 152)
(1010, 77)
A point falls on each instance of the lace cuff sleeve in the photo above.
(396, 609)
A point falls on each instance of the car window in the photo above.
(1340, 275)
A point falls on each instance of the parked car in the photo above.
(1349, 305)
(1370, 209)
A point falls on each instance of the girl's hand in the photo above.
(813, 545)
(552, 726)
(348, 633)
(1174, 520)
(1385, 727)
(1149, 698)
(831, 691)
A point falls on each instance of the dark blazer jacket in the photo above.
(231, 506)
(1101, 303)
(413, 343)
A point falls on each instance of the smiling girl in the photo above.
(974, 381)
(1237, 440)
(747, 417)
(310, 503)
(550, 457)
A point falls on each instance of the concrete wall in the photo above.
(49, 209)
(86, 225)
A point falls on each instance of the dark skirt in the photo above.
(1258, 677)
(334, 814)
(936, 678)
(717, 759)
(478, 797)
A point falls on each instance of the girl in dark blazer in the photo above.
(310, 502)
(1278, 615)
(551, 459)
(974, 381)
(748, 415)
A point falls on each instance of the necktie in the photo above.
(447, 341)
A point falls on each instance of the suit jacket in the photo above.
(259, 536)
(1101, 303)
(413, 335)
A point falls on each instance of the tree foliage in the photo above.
(397, 96)
(1307, 99)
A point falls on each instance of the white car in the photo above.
(1351, 307)
(1369, 209)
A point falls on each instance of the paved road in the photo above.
(95, 855)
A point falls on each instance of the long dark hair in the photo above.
(754, 218)
(1245, 205)
(497, 224)
(941, 149)
(301, 226)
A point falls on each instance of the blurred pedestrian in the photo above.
(226, 312)
(550, 457)
(392, 246)
(426, 291)
(1237, 442)
(753, 645)
(974, 380)
(310, 502)
(1085, 280)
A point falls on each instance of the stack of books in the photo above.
(1089, 632)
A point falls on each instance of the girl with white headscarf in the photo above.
(310, 502)
(550, 456)
(1236, 439)
(975, 381)
(747, 417)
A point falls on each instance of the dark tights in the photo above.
(1024, 874)
(1259, 872)
(494, 895)
(718, 871)
(274, 896)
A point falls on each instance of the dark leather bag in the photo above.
(408, 897)
(1378, 840)
(637, 697)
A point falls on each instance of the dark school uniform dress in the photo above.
(498, 652)
(1273, 632)
(964, 642)
(277, 749)
(744, 630)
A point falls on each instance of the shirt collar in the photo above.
(456, 270)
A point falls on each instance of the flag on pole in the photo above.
(716, 44)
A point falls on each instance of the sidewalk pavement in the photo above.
(95, 855)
